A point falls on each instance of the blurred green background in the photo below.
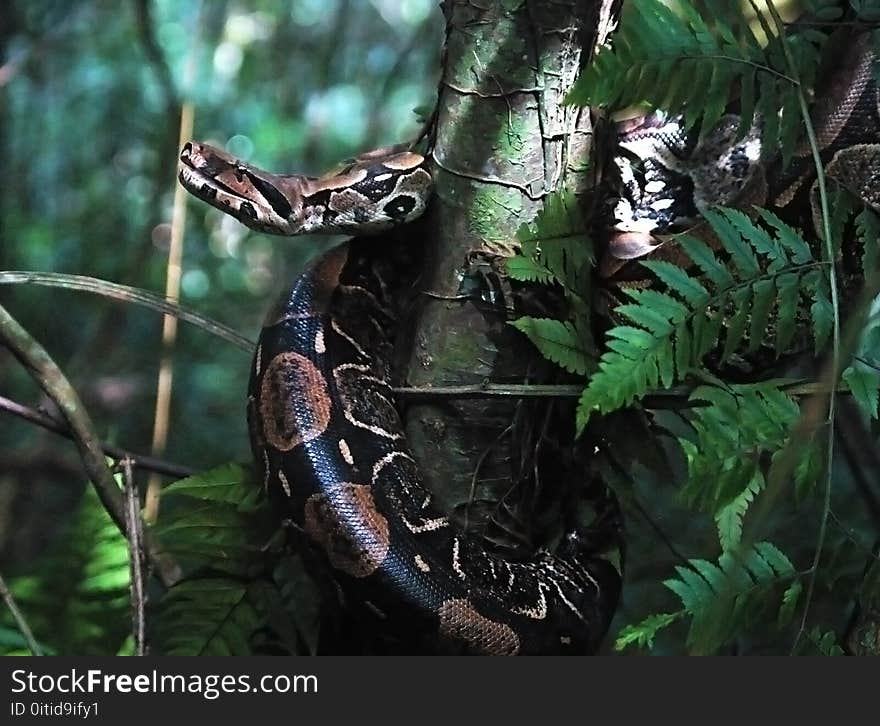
(90, 96)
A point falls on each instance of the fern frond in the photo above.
(235, 599)
(209, 616)
(729, 518)
(671, 332)
(864, 384)
(555, 248)
(868, 229)
(723, 599)
(686, 60)
(642, 634)
(76, 598)
(790, 599)
(216, 520)
(559, 341)
(820, 643)
(653, 50)
(726, 453)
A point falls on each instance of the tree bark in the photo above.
(502, 141)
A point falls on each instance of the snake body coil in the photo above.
(330, 444)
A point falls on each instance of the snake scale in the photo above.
(329, 441)
(669, 177)
(324, 428)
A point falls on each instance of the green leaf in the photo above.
(558, 341)
(555, 246)
(217, 519)
(209, 616)
(642, 634)
(670, 331)
(868, 228)
(230, 483)
(864, 383)
(76, 594)
(729, 518)
(681, 60)
(764, 292)
(722, 599)
(788, 287)
(789, 603)
(824, 643)
(679, 281)
(527, 269)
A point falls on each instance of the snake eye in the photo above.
(239, 172)
(247, 210)
(400, 207)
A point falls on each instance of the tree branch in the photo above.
(20, 622)
(135, 527)
(50, 378)
(52, 424)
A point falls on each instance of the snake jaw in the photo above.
(260, 200)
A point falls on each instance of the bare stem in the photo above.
(49, 377)
(135, 529)
(19, 618)
(834, 372)
(52, 424)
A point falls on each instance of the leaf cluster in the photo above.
(671, 331)
(724, 599)
(233, 599)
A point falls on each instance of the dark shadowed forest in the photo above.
(615, 391)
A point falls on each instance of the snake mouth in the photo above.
(198, 173)
(208, 189)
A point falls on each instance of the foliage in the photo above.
(662, 54)
(89, 124)
(764, 289)
(232, 600)
(722, 600)
(555, 250)
(733, 437)
(674, 331)
(76, 596)
(242, 592)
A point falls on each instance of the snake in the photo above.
(667, 176)
(328, 439)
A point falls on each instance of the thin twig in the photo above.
(164, 383)
(126, 293)
(745, 61)
(19, 618)
(673, 398)
(135, 529)
(834, 372)
(52, 424)
(49, 377)
(498, 94)
(490, 390)
(162, 415)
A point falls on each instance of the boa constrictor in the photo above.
(329, 441)
(668, 177)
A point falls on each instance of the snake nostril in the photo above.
(186, 151)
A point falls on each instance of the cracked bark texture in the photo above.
(502, 141)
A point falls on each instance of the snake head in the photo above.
(258, 199)
(367, 195)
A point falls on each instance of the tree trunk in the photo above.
(502, 141)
